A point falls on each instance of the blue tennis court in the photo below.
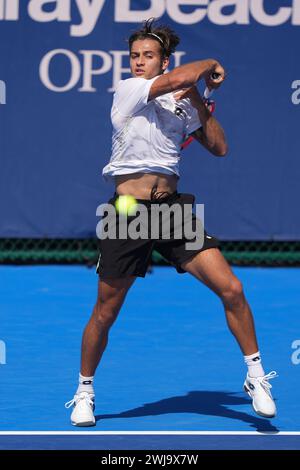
(157, 101)
(171, 364)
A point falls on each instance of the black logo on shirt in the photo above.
(178, 111)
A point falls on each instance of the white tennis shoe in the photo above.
(83, 412)
(258, 388)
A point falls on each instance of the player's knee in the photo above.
(233, 293)
(105, 314)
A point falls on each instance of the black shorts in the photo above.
(131, 257)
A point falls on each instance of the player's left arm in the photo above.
(211, 135)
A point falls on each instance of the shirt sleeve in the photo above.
(132, 95)
(193, 122)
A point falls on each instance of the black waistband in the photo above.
(167, 199)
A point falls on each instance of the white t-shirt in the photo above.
(147, 136)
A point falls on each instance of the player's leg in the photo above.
(111, 295)
(210, 267)
(120, 261)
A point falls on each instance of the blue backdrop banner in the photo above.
(59, 64)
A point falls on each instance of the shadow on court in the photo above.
(202, 403)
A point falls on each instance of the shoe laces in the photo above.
(77, 398)
(264, 381)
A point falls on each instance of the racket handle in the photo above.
(207, 93)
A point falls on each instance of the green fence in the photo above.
(84, 251)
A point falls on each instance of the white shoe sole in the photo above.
(257, 411)
(84, 423)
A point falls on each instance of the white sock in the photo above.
(85, 385)
(253, 362)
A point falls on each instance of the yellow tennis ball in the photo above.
(126, 205)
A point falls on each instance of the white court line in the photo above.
(167, 433)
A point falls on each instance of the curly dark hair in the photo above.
(165, 36)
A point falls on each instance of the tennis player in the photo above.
(151, 114)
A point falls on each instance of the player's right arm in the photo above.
(186, 76)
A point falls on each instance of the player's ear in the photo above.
(165, 63)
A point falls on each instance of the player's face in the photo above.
(146, 60)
